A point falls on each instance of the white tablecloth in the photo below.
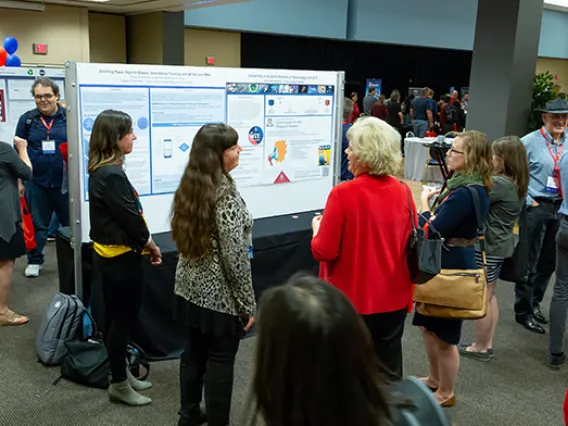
(415, 159)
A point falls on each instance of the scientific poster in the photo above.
(282, 128)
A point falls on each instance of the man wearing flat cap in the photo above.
(544, 150)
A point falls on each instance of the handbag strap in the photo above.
(480, 221)
(412, 223)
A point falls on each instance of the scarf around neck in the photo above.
(459, 180)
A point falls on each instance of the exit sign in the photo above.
(40, 48)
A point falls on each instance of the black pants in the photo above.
(386, 331)
(123, 290)
(210, 360)
(541, 224)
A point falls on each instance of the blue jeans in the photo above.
(42, 202)
(53, 226)
(420, 128)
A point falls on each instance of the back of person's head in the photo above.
(104, 144)
(376, 145)
(382, 99)
(315, 364)
(395, 96)
(431, 93)
(457, 103)
(514, 162)
(372, 90)
(477, 155)
(447, 98)
(347, 108)
(194, 201)
(425, 91)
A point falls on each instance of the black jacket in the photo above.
(115, 210)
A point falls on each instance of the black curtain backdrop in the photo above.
(398, 66)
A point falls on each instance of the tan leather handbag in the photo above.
(457, 293)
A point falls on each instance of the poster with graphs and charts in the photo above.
(287, 122)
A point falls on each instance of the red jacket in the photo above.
(355, 114)
(362, 243)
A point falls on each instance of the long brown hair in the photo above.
(477, 154)
(313, 351)
(193, 211)
(515, 162)
(104, 145)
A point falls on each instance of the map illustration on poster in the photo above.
(287, 122)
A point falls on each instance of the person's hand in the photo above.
(249, 324)
(535, 204)
(21, 188)
(316, 222)
(155, 254)
(428, 193)
(20, 144)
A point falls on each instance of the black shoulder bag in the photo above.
(424, 252)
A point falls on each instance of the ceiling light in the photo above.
(22, 5)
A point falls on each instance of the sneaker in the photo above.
(32, 271)
(50, 238)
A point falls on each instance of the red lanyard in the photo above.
(48, 127)
(556, 157)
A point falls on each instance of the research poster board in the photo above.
(16, 97)
(288, 124)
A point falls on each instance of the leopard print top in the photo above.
(222, 282)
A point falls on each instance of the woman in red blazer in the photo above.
(362, 237)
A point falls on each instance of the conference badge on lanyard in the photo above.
(553, 182)
(47, 145)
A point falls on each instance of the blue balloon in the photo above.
(10, 45)
(13, 61)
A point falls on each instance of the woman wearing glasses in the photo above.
(455, 219)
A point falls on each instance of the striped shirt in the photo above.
(541, 163)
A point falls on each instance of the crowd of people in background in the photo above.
(416, 114)
(333, 342)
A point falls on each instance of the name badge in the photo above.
(48, 147)
(551, 185)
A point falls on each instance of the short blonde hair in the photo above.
(377, 146)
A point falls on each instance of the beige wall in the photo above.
(144, 38)
(64, 29)
(555, 66)
(223, 45)
(107, 38)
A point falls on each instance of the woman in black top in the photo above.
(120, 238)
(13, 166)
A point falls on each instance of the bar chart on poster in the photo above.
(16, 97)
(287, 122)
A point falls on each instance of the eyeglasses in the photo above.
(455, 151)
(47, 97)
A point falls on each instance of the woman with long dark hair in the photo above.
(316, 366)
(510, 187)
(212, 229)
(120, 239)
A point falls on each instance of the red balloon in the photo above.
(3, 56)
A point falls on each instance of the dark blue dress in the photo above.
(455, 218)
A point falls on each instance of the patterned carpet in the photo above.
(516, 388)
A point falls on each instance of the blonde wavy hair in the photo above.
(377, 146)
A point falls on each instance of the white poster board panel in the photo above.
(286, 121)
(16, 97)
